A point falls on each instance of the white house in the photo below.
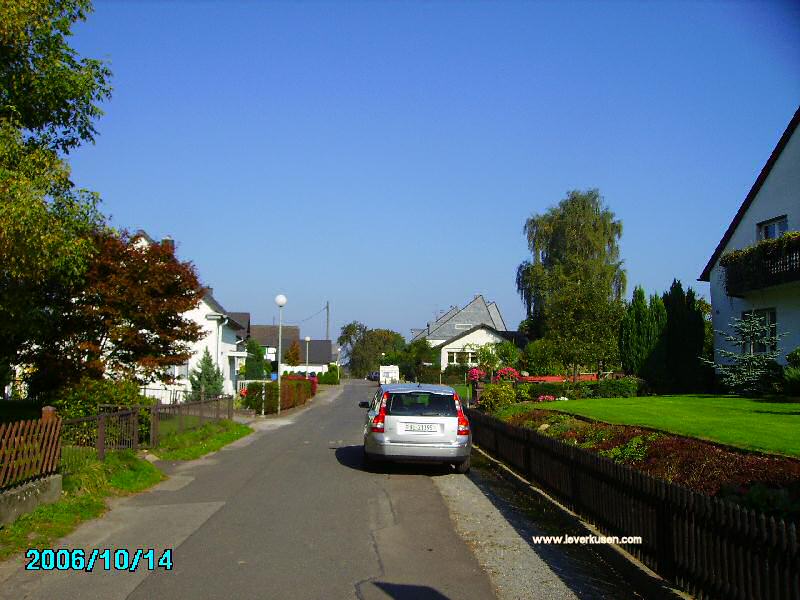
(771, 209)
(461, 349)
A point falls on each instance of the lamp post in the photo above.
(308, 339)
(280, 300)
(338, 367)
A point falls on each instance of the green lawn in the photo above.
(752, 424)
(464, 391)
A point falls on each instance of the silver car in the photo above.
(410, 422)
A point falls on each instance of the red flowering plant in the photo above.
(476, 374)
(507, 374)
(546, 398)
(243, 393)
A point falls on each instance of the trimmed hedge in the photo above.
(625, 387)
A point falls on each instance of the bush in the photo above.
(331, 377)
(496, 397)
(84, 398)
(454, 374)
(793, 358)
(627, 387)
(791, 381)
(538, 358)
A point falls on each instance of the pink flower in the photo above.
(476, 374)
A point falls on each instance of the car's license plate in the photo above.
(421, 427)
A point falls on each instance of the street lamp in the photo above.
(338, 367)
(308, 339)
(280, 300)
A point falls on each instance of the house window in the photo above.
(181, 371)
(768, 316)
(774, 228)
(461, 358)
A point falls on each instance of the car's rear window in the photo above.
(421, 404)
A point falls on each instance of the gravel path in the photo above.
(484, 510)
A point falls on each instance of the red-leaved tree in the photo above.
(127, 319)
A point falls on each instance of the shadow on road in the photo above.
(353, 457)
(400, 591)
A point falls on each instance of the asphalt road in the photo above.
(287, 512)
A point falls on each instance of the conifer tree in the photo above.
(206, 379)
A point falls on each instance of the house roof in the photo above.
(208, 297)
(141, 233)
(320, 352)
(512, 336)
(762, 177)
(243, 318)
(445, 326)
(267, 335)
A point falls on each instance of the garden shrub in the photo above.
(497, 396)
(793, 358)
(626, 387)
(84, 398)
(791, 381)
(454, 374)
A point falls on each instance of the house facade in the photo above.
(456, 321)
(771, 210)
(461, 349)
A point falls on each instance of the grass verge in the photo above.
(195, 443)
(83, 497)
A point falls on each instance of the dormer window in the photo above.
(774, 228)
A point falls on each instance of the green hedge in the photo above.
(625, 387)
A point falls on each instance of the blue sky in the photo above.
(384, 156)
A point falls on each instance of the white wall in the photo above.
(477, 338)
(779, 195)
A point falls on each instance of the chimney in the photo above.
(168, 244)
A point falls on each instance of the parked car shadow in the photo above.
(353, 458)
(400, 591)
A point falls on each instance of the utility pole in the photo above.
(327, 320)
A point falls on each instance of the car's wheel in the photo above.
(463, 467)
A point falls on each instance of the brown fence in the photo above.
(711, 548)
(28, 450)
(89, 438)
(175, 418)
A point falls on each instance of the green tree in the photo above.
(539, 358)
(292, 356)
(634, 342)
(414, 359)
(206, 378)
(349, 336)
(508, 354)
(254, 367)
(365, 355)
(573, 284)
(685, 337)
(750, 368)
(580, 237)
(49, 101)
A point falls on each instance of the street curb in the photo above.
(643, 579)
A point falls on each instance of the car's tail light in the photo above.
(378, 421)
(463, 422)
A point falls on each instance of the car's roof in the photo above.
(423, 387)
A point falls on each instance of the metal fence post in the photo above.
(216, 408)
(181, 407)
(230, 408)
(200, 409)
(135, 428)
(101, 437)
(154, 423)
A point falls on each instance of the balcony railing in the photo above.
(768, 263)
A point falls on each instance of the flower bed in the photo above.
(767, 483)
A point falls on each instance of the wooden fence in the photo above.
(711, 548)
(28, 450)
